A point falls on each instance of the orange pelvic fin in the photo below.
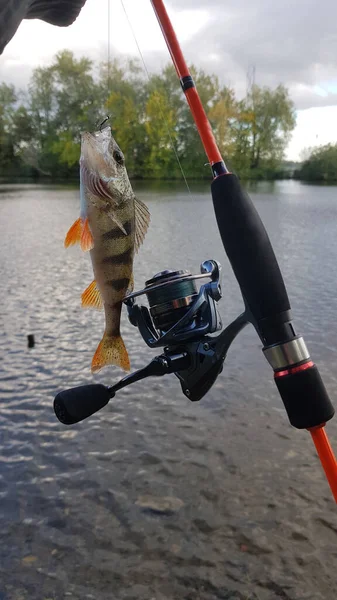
(110, 351)
(91, 297)
(87, 241)
(74, 234)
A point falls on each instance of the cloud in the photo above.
(294, 43)
(315, 127)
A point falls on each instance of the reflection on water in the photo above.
(156, 497)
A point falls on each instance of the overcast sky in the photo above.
(290, 42)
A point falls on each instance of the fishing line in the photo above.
(109, 38)
(160, 108)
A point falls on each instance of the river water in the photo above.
(154, 497)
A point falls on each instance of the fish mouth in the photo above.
(96, 155)
(89, 135)
(92, 137)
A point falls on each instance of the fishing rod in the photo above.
(255, 266)
(184, 320)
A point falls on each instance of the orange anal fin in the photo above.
(110, 351)
(91, 297)
(87, 241)
(74, 234)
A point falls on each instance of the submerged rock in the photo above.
(161, 505)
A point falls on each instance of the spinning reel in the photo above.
(178, 313)
(180, 319)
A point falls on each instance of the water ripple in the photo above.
(155, 497)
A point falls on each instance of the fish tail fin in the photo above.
(110, 351)
(74, 234)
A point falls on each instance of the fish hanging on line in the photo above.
(112, 225)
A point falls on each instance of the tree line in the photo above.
(40, 127)
(320, 165)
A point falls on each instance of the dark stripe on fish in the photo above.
(118, 284)
(119, 259)
(116, 233)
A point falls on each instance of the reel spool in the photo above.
(177, 310)
(169, 303)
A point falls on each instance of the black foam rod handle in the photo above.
(76, 404)
(249, 249)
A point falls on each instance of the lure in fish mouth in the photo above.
(112, 225)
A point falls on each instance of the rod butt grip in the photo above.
(305, 397)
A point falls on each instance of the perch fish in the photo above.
(112, 225)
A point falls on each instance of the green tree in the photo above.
(62, 103)
(25, 146)
(160, 129)
(321, 164)
(272, 119)
(223, 115)
(75, 94)
(242, 125)
(40, 130)
(8, 99)
(123, 96)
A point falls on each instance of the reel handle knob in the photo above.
(74, 405)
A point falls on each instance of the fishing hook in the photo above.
(104, 121)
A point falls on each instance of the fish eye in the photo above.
(118, 156)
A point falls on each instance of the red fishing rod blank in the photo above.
(326, 456)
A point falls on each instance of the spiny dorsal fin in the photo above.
(91, 297)
(142, 220)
